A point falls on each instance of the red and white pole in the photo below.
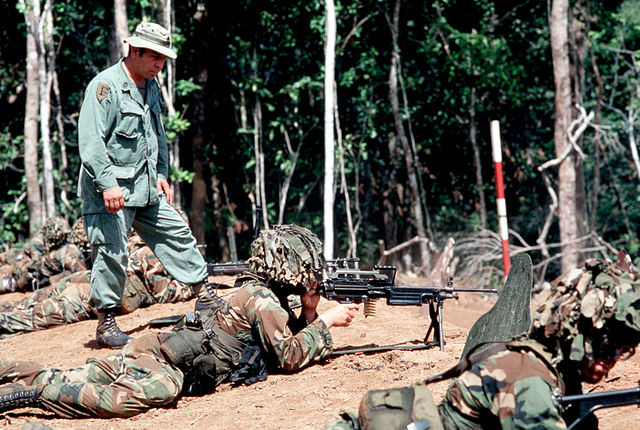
(501, 203)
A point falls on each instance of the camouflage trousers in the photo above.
(121, 385)
(144, 264)
(64, 303)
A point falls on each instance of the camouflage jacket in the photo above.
(507, 389)
(255, 315)
(36, 267)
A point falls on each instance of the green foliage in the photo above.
(181, 175)
(266, 60)
(185, 87)
(9, 149)
(176, 126)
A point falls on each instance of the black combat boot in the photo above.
(206, 293)
(108, 334)
(15, 396)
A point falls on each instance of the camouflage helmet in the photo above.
(78, 235)
(288, 255)
(586, 304)
(54, 232)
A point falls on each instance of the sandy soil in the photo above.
(304, 400)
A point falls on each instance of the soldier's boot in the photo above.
(206, 293)
(108, 335)
(8, 283)
(15, 396)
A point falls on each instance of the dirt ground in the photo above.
(304, 400)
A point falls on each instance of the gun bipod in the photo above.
(435, 313)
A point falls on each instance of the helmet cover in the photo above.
(586, 303)
(54, 232)
(288, 255)
(78, 235)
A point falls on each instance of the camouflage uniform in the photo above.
(227, 342)
(508, 389)
(255, 314)
(509, 385)
(67, 301)
(46, 255)
(144, 265)
(142, 377)
(120, 385)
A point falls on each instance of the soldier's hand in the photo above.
(309, 302)
(340, 315)
(113, 199)
(165, 188)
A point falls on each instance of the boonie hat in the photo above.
(152, 36)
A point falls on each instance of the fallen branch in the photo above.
(386, 253)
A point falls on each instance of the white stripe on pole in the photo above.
(495, 142)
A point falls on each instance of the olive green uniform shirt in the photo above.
(121, 140)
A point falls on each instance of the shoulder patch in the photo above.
(102, 91)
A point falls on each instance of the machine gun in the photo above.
(348, 285)
(586, 404)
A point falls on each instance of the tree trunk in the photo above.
(46, 67)
(597, 139)
(31, 129)
(578, 49)
(261, 193)
(329, 71)
(473, 138)
(352, 250)
(569, 229)
(64, 161)
(408, 155)
(164, 16)
(199, 185)
(120, 31)
(286, 184)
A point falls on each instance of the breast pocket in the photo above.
(127, 134)
(156, 114)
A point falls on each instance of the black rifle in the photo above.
(348, 285)
(586, 404)
(232, 268)
(238, 267)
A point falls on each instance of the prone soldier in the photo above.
(47, 254)
(67, 301)
(237, 340)
(589, 321)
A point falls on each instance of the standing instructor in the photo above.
(123, 178)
